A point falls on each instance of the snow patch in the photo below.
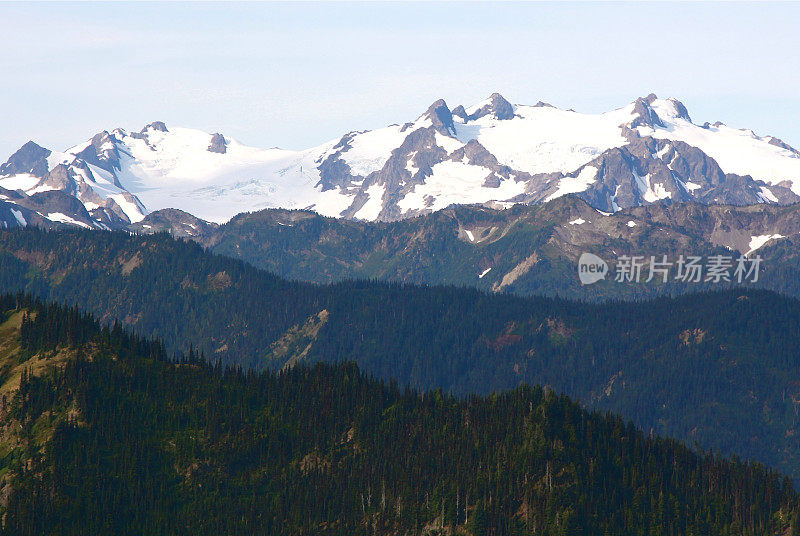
(374, 204)
(134, 213)
(56, 158)
(370, 150)
(766, 195)
(63, 218)
(757, 242)
(457, 183)
(410, 167)
(571, 185)
(19, 217)
(23, 182)
(651, 192)
(447, 143)
(692, 186)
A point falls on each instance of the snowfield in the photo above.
(157, 168)
(545, 139)
(736, 151)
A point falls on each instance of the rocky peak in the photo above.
(62, 201)
(497, 106)
(477, 154)
(155, 125)
(60, 178)
(30, 158)
(459, 111)
(680, 109)
(102, 152)
(441, 117)
(646, 115)
(218, 144)
(777, 142)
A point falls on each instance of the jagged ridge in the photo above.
(492, 153)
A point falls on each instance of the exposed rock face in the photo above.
(497, 106)
(60, 178)
(14, 215)
(102, 152)
(62, 202)
(646, 115)
(218, 144)
(459, 111)
(156, 125)
(477, 155)
(650, 170)
(418, 149)
(110, 216)
(442, 118)
(683, 113)
(20, 210)
(67, 191)
(30, 158)
(333, 171)
(783, 145)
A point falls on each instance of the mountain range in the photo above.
(358, 251)
(718, 369)
(493, 153)
(525, 250)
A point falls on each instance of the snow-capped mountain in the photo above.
(492, 153)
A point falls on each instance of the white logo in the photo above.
(688, 269)
(591, 269)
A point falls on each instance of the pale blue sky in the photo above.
(296, 75)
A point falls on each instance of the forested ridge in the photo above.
(107, 433)
(523, 250)
(718, 369)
